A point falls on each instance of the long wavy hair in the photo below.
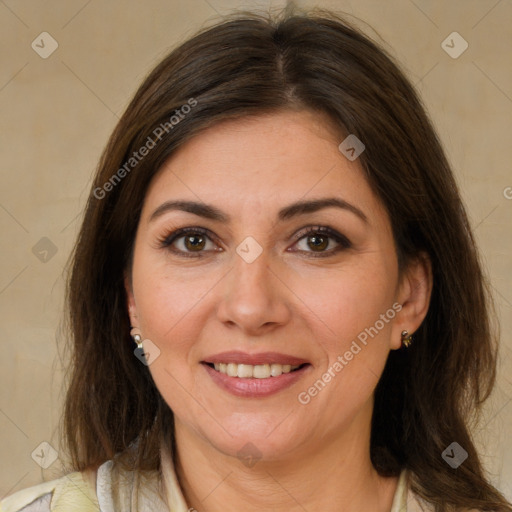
(429, 395)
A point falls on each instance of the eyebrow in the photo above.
(293, 210)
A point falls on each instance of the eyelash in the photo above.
(170, 238)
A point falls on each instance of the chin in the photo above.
(255, 442)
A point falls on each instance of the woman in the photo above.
(275, 299)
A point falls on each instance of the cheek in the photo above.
(167, 298)
(353, 318)
(167, 305)
(348, 300)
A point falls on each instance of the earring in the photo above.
(136, 337)
(406, 339)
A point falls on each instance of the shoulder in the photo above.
(413, 502)
(72, 492)
(417, 504)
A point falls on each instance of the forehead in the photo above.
(262, 163)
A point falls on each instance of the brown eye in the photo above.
(194, 242)
(318, 241)
(188, 242)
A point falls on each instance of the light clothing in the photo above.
(74, 493)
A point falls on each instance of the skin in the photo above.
(314, 456)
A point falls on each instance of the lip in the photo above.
(252, 387)
(254, 359)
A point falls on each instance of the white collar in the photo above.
(154, 491)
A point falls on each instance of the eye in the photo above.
(192, 242)
(189, 242)
(319, 238)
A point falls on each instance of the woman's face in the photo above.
(256, 295)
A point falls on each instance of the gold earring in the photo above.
(136, 337)
(138, 340)
(406, 339)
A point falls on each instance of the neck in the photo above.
(332, 475)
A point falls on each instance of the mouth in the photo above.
(255, 375)
(257, 371)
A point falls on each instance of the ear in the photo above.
(130, 301)
(414, 291)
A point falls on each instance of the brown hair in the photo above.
(251, 65)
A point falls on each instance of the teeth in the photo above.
(245, 371)
(259, 371)
(232, 370)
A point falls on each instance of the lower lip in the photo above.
(252, 387)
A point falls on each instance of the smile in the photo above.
(258, 371)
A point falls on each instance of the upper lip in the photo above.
(254, 359)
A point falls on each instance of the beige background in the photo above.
(58, 112)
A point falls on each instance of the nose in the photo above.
(254, 297)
